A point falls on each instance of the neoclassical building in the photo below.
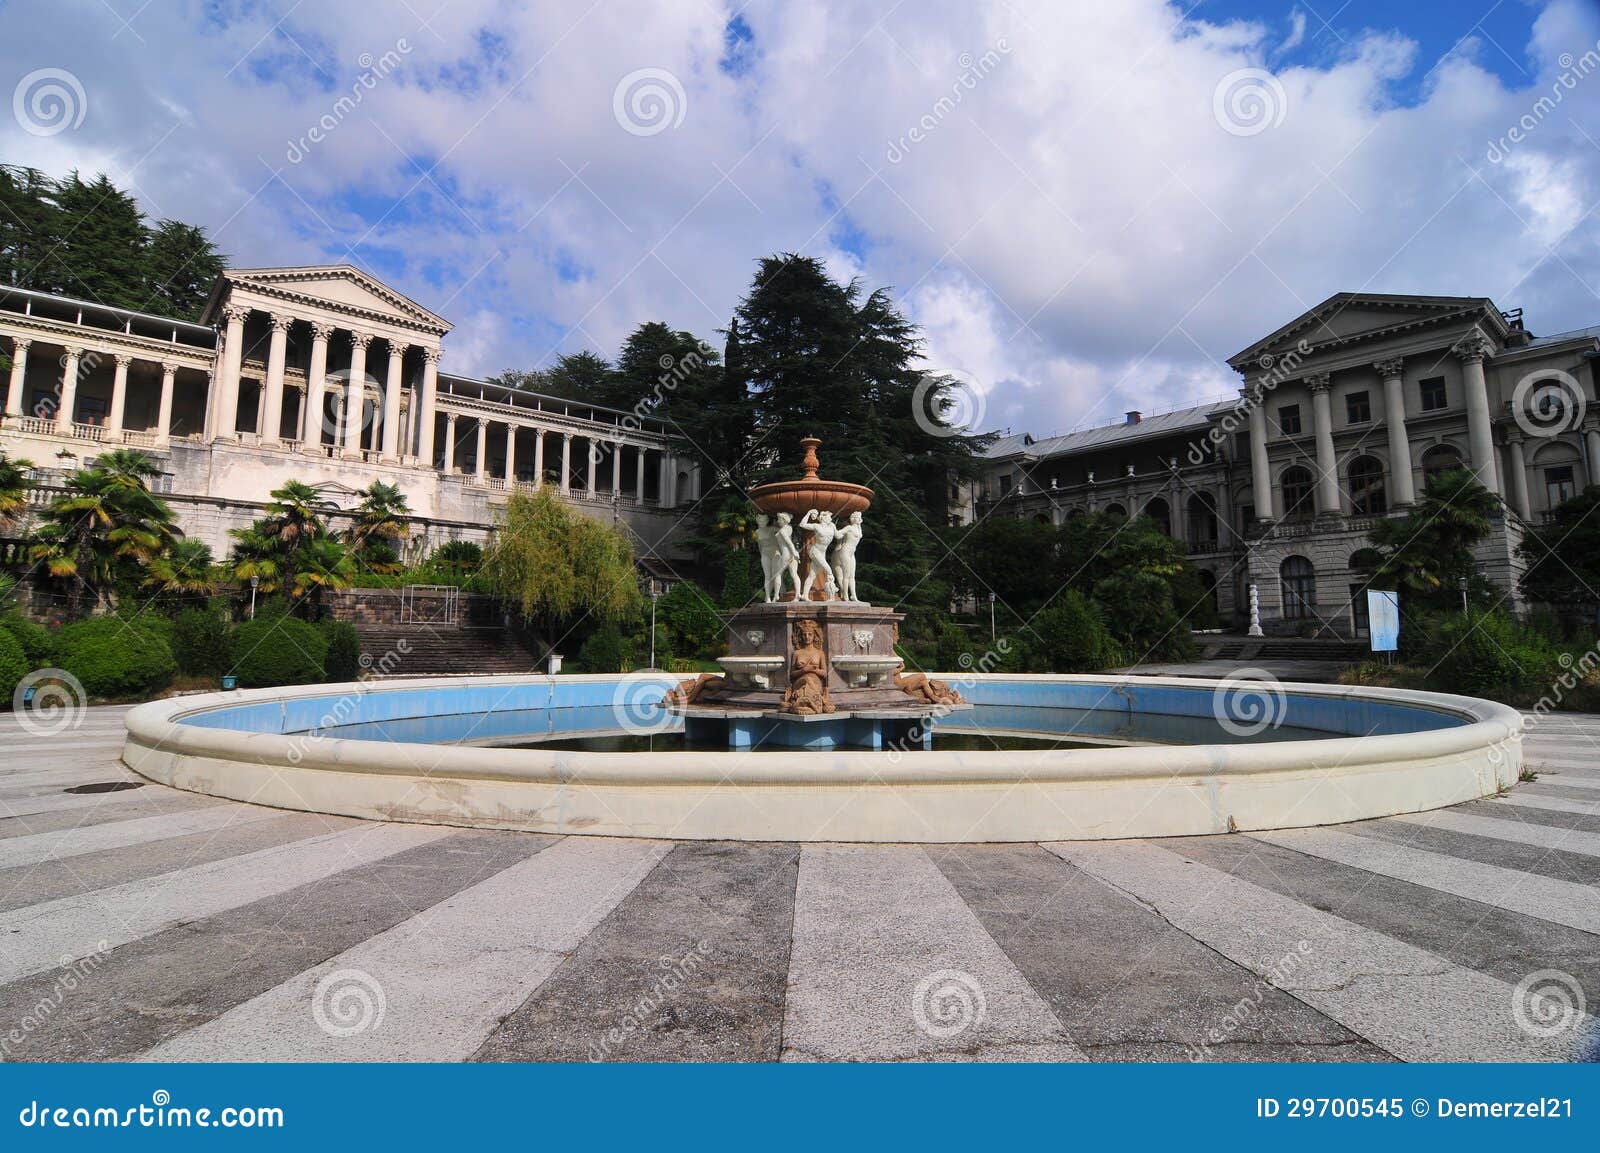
(323, 375)
(1344, 415)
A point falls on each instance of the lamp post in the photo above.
(655, 595)
(991, 618)
(254, 581)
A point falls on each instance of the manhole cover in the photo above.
(105, 787)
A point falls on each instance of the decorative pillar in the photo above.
(481, 463)
(355, 394)
(449, 442)
(169, 373)
(316, 389)
(538, 457)
(272, 401)
(511, 455)
(119, 398)
(391, 403)
(425, 406)
(1591, 439)
(1402, 488)
(1471, 349)
(566, 463)
(638, 480)
(1322, 426)
(594, 458)
(1260, 471)
(19, 371)
(69, 392)
(1519, 474)
(225, 398)
(616, 471)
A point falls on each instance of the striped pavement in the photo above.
(141, 923)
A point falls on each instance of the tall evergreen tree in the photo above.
(98, 252)
(180, 266)
(27, 227)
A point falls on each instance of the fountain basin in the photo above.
(1377, 752)
(865, 672)
(750, 672)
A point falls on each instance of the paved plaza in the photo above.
(140, 923)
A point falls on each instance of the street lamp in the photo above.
(254, 581)
(991, 618)
(655, 595)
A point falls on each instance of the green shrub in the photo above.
(343, 662)
(738, 583)
(606, 651)
(1485, 654)
(278, 650)
(112, 657)
(690, 617)
(1070, 636)
(37, 642)
(202, 643)
(14, 665)
(952, 652)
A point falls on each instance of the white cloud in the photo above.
(1072, 225)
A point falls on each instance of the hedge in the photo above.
(14, 664)
(343, 662)
(112, 657)
(38, 644)
(202, 643)
(279, 650)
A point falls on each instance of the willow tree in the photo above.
(559, 567)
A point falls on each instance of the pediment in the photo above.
(1351, 318)
(341, 287)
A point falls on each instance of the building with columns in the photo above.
(328, 376)
(1344, 415)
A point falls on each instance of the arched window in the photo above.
(1299, 583)
(1296, 485)
(1367, 495)
(1202, 509)
(1159, 511)
(1208, 582)
(1117, 511)
(1438, 460)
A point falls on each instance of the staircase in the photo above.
(423, 650)
(1283, 649)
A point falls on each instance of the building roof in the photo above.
(1123, 432)
(1591, 333)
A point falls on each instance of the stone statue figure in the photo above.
(771, 566)
(786, 557)
(808, 672)
(924, 688)
(823, 530)
(844, 558)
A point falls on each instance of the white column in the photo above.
(222, 404)
(616, 470)
(391, 403)
(594, 457)
(1591, 437)
(449, 442)
(511, 455)
(638, 479)
(316, 389)
(272, 395)
(19, 371)
(425, 405)
(481, 463)
(355, 396)
(538, 457)
(119, 399)
(169, 373)
(672, 480)
(1402, 490)
(566, 463)
(69, 392)
(1322, 427)
(1519, 475)
(1480, 428)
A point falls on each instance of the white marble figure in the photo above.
(771, 565)
(844, 558)
(787, 556)
(1255, 612)
(823, 531)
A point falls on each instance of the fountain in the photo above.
(811, 666)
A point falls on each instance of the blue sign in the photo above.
(1383, 620)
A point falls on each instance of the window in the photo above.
(1159, 511)
(1289, 419)
(1367, 496)
(1439, 460)
(1558, 485)
(1434, 396)
(1296, 493)
(1299, 583)
(1005, 484)
(1358, 407)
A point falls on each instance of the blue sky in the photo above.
(1088, 207)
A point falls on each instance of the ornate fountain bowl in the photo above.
(797, 497)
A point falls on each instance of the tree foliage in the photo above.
(1428, 555)
(1563, 555)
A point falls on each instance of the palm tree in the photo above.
(270, 549)
(256, 555)
(105, 523)
(183, 571)
(14, 484)
(324, 564)
(378, 523)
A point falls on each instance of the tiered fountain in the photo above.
(811, 666)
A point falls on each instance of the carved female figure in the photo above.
(844, 558)
(808, 672)
(822, 531)
(787, 556)
(767, 542)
